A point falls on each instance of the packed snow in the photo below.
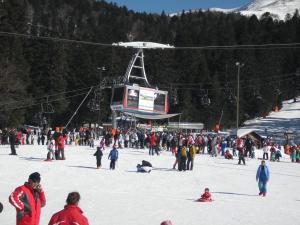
(123, 196)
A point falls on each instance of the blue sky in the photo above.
(171, 6)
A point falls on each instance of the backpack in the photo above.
(183, 152)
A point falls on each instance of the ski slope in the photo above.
(277, 123)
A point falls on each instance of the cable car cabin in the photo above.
(136, 99)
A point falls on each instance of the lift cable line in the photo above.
(214, 47)
(87, 94)
(41, 98)
(35, 104)
(83, 93)
(178, 86)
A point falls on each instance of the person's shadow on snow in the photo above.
(231, 193)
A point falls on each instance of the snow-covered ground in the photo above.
(125, 197)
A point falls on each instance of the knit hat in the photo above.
(166, 222)
(35, 177)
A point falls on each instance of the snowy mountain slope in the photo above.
(277, 8)
(286, 120)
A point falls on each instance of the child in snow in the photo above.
(206, 196)
(98, 155)
(113, 156)
(228, 155)
(262, 176)
(51, 147)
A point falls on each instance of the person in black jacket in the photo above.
(12, 142)
(98, 155)
(144, 167)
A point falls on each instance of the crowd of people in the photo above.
(183, 146)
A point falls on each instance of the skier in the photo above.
(71, 214)
(113, 156)
(262, 176)
(28, 200)
(206, 196)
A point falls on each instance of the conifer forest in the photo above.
(53, 51)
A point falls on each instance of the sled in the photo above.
(204, 200)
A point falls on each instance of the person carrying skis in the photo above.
(262, 176)
(113, 156)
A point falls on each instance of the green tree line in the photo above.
(36, 73)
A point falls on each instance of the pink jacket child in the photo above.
(206, 196)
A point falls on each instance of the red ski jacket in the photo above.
(206, 197)
(153, 140)
(71, 214)
(61, 142)
(28, 204)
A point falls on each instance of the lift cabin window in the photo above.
(159, 102)
(133, 98)
(118, 96)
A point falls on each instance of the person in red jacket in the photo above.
(28, 200)
(153, 144)
(206, 196)
(71, 214)
(61, 146)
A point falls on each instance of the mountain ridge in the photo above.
(278, 9)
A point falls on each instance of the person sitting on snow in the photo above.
(145, 167)
(228, 155)
(166, 222)
(206, 196)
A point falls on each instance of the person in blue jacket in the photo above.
(113, 156)
(262, 176)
